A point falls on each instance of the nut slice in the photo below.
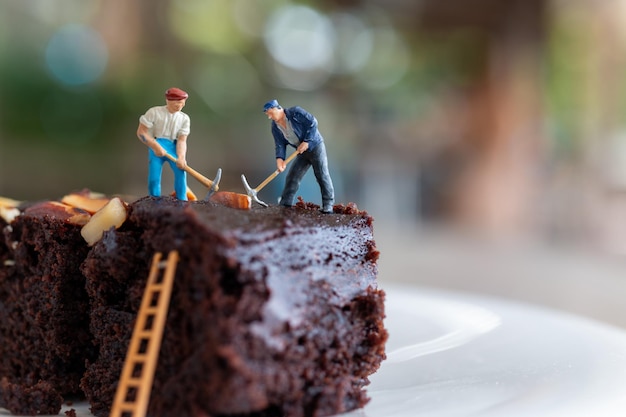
(89, 202)
(9, 209)
(9, 213)
(113, 214)
(9, 202)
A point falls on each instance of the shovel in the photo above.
(252, 193)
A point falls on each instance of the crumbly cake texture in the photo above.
(44, 312)
(275, 311)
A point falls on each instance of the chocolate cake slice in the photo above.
(274, 312)
(44, 317)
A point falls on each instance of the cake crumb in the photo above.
(70, 413)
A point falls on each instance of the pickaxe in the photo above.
(213, 186)
(252, 193)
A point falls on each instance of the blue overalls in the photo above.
(155, 169)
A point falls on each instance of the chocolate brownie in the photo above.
(274, 312)
(44, 317)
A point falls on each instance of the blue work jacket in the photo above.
(304, 126)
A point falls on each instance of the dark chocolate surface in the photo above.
(275, 311)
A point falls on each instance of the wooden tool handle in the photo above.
(201, 178)
(275, 173)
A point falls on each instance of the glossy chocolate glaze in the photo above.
(274, 310)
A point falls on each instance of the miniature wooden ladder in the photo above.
(133, 391)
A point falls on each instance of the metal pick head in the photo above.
(215, 186)
(251, 192)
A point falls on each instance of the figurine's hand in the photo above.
(302, 147)
(181, 163)
(280, 164)
(159, 151)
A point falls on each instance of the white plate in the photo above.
(452, 354)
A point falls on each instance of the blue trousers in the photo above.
(317, 159)
(155, 169)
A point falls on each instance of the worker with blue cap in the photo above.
(297, 128)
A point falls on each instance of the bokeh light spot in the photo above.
(353, 45)
(299, 37)
(389, 61)
(76, 55)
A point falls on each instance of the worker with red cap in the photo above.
(164, 129)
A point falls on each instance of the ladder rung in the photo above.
(144, 334)
(137, 358)
(127, 406)
(133, 382)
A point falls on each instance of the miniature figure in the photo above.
(296, 127)
(164, 129)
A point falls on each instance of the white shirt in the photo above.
(289, 134)
(163, 124)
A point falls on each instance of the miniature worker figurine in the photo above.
(295, 127)
(164, 129)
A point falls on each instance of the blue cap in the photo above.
(270, 105)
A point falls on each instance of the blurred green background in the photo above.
(505, 118)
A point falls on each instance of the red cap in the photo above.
(175, 94)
